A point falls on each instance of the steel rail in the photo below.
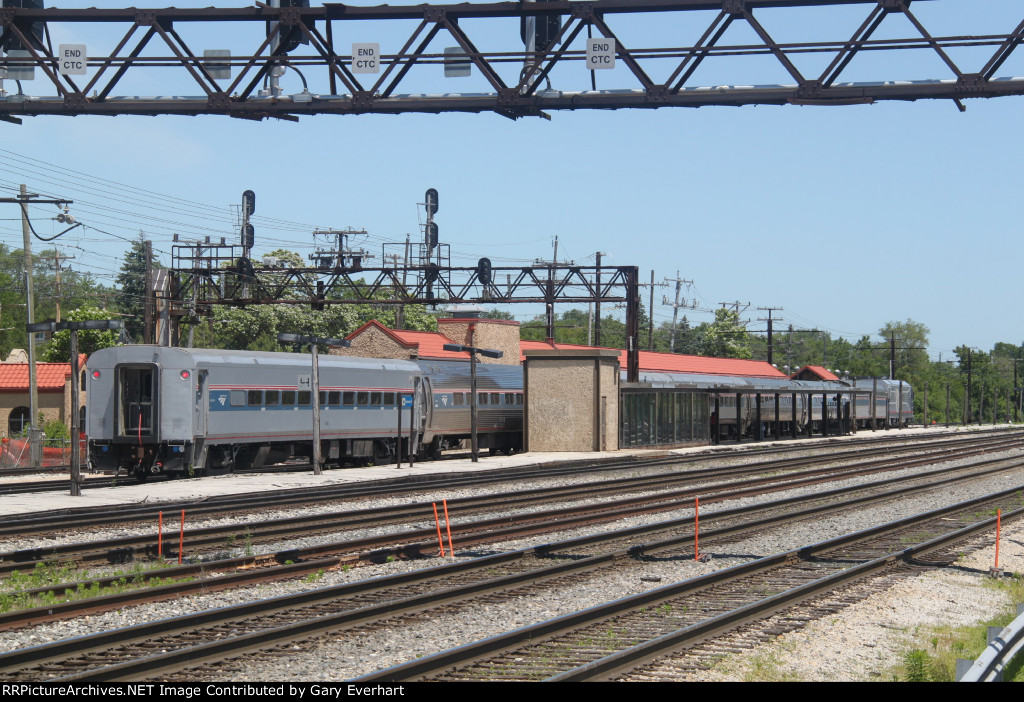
(129, 548)
(427, 667)
(90, 645)
(743, 520)
(24, 524)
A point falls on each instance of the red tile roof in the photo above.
(678, 363)
(429, 345)
(820, 371)
(50, 377)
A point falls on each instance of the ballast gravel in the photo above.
(868, 634)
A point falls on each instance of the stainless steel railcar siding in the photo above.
(449, 379)
(174, 394)
(263, 374)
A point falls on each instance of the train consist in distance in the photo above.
(155, 410)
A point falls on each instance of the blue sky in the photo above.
(846, 217)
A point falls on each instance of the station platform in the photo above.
(163, 490)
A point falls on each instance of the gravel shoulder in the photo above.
(866, 640)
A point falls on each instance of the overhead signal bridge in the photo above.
(558, 61)
(208, 276)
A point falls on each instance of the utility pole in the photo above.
(549, 307)
(57, 259)
(149, 309)
(650, 317)
(473, 351)
(24, 197)
(735, 306)
(892, 355)
(769, 310)
(314, 382)
(675, 308)
(967, 399)
(650, 312)
(597, 304)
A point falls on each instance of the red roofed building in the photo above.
(374, 340)
(814, 373)
(53, 387)
(656, 361)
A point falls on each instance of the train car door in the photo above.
(421, 410)
(202, 406)
(137, 400)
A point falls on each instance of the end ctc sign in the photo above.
(72, 59)
(600, 53)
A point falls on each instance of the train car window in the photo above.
(238, 398)
(305, 397)
(481, 398)
(510, 398)
(389, 399)
(495, 398)
(458, 398)
(254, 398)
(348, 398)
(519, 399)
(334, 398)
(288, 398)
(273, 398)
(375, 399)
(323, 397)
(362, 398)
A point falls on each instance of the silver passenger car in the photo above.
(154, 410)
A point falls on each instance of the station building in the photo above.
(53, 382)
(575, 397)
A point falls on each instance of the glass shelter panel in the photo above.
(663, 418)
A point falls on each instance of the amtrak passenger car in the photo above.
(154, 410)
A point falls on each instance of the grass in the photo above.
(315, 577)
(55, 574)
(766, 668)
(932, 657)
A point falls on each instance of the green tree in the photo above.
(58, 350)
(726, 337)
(910, 340)
(131, 289)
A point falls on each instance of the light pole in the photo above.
(473, 351)
(76, 425)
(313, 341)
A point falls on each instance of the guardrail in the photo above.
(1003, 647)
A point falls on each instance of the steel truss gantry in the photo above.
(204, 275)
(519, 82)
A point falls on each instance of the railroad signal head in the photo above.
(546, 28)
(431, 199)
(32, 31)
(432, 234)
(248, 236)
(289, 36)
(249, 202)
(483, 271)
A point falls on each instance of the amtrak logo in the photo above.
(222, 399)
(444, 400)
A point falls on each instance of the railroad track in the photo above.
(669, 495)
(242, 630)
(611, 641)
(412, 482)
